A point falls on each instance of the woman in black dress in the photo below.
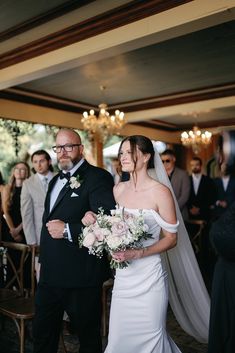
(11, 203)
(222, 317)
(12, 229)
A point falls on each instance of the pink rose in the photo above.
(119, 228)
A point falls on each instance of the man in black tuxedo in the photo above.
(202, 194)
(225, 191)
(200, 204)
(71, 279)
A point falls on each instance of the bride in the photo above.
(140, 293)
(140, 296)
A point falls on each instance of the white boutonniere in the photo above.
(75, 182)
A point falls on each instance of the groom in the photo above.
(71, 279)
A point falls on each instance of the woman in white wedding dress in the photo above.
(140, 293)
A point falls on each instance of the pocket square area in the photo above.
(74, 195)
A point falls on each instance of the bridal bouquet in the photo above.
(116, 232)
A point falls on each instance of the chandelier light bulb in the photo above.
(195, 139)
(104, 124)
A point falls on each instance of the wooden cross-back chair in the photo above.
(13, 286)
(21, 307)
(195, 229)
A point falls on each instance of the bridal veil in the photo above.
(188, 295)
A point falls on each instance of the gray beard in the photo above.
(66, 166)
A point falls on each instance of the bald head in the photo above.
(70, 149)
(69, 132)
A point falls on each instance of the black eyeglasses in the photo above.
(166, 161)
(67, 148)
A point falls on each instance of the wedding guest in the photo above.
(202, 192)
(11, 203)
(12, 228)
(200, 207)
(179, 180)
(33, 195)
(70, 278)
(116, 170)
(222, 318)
(225, 190)
(118, 174)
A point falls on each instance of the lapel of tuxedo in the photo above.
(48, 195)
(80, 171)
(200, 186)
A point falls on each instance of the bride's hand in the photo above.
(130, 254)
(89, 218)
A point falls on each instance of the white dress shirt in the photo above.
(196, 182)
(45, 178)
(60, 183)
(225, 181)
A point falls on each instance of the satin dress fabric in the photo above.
(140, 299)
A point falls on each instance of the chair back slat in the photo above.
(14, 278)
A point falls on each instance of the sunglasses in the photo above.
(166, 161)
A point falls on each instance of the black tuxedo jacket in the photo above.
(204, 199)
(227, 195)
(63, 263)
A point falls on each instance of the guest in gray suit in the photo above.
(179, 179)
(33, 197)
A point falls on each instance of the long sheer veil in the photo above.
(188, 295)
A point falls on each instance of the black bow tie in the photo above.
(64, 175)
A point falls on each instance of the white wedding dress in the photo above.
(140, 299)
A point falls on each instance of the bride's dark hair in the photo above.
(144, 144)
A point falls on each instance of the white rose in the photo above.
(113, 242)
(89, 240)
(74, 183)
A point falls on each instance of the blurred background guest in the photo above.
(202, 192)
(117, 173)
(225, 190)
(33, 195)
(116, 170)
(222, 317)
(200, 206)
(11, 203)
(179, 179)
(12, 228)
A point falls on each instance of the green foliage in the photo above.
(18, 140)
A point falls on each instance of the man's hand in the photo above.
(195, 211)
(56, 228)
(89, 218)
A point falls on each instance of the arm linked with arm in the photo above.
(100, 194)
